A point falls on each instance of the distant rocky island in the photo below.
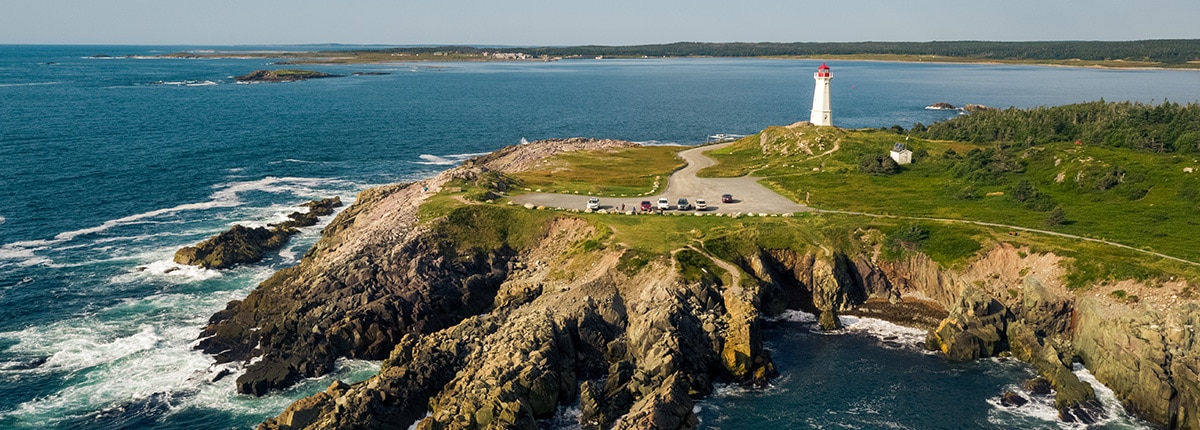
(284, 75)
(969, 107)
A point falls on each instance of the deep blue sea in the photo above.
(108, 165)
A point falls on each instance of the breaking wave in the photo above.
(446, 160)
(227, 195)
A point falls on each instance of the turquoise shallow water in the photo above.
(109, 165)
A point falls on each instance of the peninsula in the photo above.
(1174, 54)
(490, 307)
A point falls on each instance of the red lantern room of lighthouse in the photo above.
(823, 71)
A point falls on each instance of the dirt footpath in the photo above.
(749, 196)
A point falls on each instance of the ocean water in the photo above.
(107, 165)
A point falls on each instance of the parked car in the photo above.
(664, 204)
(683, 204)
(701, 205)
(646, 206)
(726, 198)
(593, 203)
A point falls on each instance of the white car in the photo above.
(593, 203)
(701, 205)
(664, 204)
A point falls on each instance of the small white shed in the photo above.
(901, 155)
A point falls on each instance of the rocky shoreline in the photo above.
(480, 326)
(244, 245)
(277, 76)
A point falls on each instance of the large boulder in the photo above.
(238, 245)
(974, 329)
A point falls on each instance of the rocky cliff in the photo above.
(493, 316)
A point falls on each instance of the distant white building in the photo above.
(821, 114)
(900, 154)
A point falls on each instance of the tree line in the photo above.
(1162, 128)
(1167, 51)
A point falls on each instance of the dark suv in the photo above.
(683, 204)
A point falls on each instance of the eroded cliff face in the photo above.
(502, 336)
(1011, 301)
(636, 349)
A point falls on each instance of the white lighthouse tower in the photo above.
(821, 114)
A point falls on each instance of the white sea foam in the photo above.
(293, 160)
(1114, 413)
(2, 220)
(180, 272)
(446, 160)
(226, 196)
(885, 331)
(204, 83)
(794, 315)
(1041, 408)
(418, 421)
(28, 84)
(129, 353)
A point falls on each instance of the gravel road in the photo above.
(749, 196)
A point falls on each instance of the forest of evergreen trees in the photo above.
(1167, 127)
(1177, 51)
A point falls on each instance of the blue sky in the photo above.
(611, 22)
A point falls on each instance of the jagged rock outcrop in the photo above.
(374, 276)
(243, 245)
(1150, 359)
(974, 329)
(1074, 399)
(635, 349)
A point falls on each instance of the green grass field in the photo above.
(1151, 202)
(1146, 201)
(612, 173)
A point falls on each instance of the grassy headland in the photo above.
(1135, 197)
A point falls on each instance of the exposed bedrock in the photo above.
(502, 335)
(1008, 301)
(242, 245)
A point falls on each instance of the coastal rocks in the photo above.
(834, 288)
(1011, 399)
(356, 303)
(829, 320)
(1148, 358)
(1074, 399)
(974, 329)
(243, 245)
(521, 157)
(282, 75)
(969, 107)
(238, 245)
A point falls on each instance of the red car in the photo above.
(646, 206)
(726, 198)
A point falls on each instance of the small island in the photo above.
(283, 75)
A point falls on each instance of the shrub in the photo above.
(878, 165)
(1057, 217)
